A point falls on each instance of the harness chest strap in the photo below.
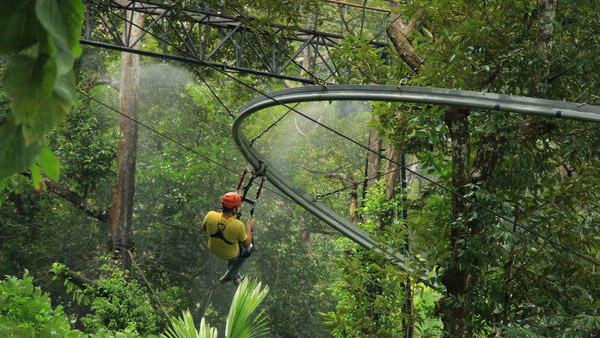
(219, 233)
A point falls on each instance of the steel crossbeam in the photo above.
(231, 42)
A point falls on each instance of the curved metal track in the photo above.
(493, 102)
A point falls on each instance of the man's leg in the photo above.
(234, 265)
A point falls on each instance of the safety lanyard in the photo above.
(245, 188)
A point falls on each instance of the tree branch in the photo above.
(332, 174)
(75, 199)
(107, 80)
(400, 35)
(75, 278)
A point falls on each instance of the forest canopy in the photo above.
(116, 141)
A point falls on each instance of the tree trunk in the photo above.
(508, 268)
(457, 276)
(373, 158)
(391, 180)
(121, 212)
(408, 323)
(534, 126)
(547, 13)
(353, 215)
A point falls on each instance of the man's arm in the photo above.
(204, 223)
(249, 228)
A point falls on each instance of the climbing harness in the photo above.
(247, 180)
(219, 233)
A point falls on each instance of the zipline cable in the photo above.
(443, 187)
(181, 144)
(364, 180)
(272, 125)
(157, 132)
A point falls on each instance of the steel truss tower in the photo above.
(235, 41)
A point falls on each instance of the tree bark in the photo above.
(547, 14)
(121, 212)
(373, 158)
(457, 277)
(407, 309)
(534, 126)
(400, 35)
(353, 215)
(78, 201)
(394, 153)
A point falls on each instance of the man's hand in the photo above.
(249, 227)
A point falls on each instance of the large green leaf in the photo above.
(36, 176)
(62, 20)
(184, 327)
(18, 26)
(30, 83)
(240, 321)
(15, 155)
(64, 89)
(49, 163)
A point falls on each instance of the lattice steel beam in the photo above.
(201, 36)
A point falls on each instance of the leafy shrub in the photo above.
(27, 312)
(121, 305)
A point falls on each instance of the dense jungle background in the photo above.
(109, 161)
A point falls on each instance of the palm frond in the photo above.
(184, 327)
(247, 298)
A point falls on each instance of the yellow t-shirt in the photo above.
(234, 231)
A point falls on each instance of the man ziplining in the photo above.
(228, 238)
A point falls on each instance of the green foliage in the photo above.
(85, 144)
(427, 323)
(184, 327)
(120, 305)
(41, 41)
(27, 312)
(489, 46)
(242, 322)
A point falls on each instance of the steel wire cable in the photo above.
(223, 72)
(194, 70)
(181, 144)
(272, 125)
(443, 187)
(364, 180)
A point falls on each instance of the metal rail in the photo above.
(479, 100)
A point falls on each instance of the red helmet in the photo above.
(231, 200)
